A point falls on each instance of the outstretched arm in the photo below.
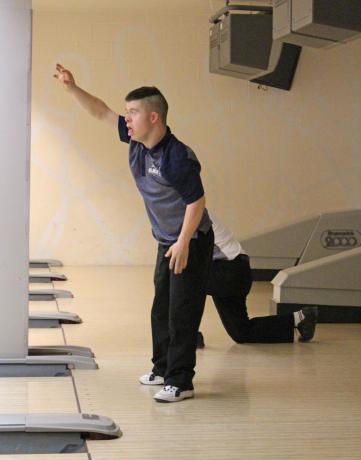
(96, 107)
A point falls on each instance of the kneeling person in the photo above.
(229, 283)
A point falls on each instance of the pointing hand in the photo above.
(65, 77)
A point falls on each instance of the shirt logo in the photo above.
(153, 170)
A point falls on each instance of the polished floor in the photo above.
(287, 401)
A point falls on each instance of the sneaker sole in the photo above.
(188, 395)
(151, 382)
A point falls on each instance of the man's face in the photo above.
(138, 120)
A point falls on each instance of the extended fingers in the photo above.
(60, 68)
(177, 262)
(180, 265)
(172, 262)
(58, 71)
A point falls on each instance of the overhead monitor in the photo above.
(241, 45)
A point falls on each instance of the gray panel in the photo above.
(335, 20)
(41, 319)
(213, 48)
(305, 40)
(17, 443)
(284, 241)
(272, 263)
(60, 350)
(304, 241)
(44, 263)
(335, 232)
(301, 12)
(53, 364)
(282, 18)
(15, 52)
(16, 4)
(47, 277)
(84, 423)
(317, 23)
(339, 271)
(52, 433)
(36, 370)
(333, 280)
(49, 294)
(319, 296)
(60, 423)
(44, 323)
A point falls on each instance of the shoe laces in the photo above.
(170, 389)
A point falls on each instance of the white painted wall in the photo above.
(268, 157)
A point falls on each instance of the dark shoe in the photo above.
(200, 340)
(307, 326)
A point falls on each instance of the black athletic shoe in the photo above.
(200, 340)
(307, 326)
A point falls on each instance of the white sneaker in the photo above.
(151, 379)
(172, 394)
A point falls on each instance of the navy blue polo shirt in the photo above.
(168, 178)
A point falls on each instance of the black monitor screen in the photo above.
(282, 76)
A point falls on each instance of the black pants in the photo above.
(177, 312)
(229, 283)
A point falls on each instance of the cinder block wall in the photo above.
(268, 157)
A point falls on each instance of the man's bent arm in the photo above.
(192, 218)
(179, 251)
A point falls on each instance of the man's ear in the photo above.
(154, 117)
